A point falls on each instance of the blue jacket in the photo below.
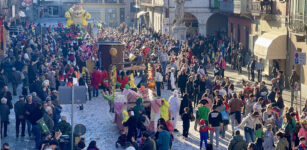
(164, 140)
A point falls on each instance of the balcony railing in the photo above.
(213, 4)
(226, 6)
(297, 24)
(261, 7)
(240, 6)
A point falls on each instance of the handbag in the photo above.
(43, 126)
(225, 115)
(192, 117)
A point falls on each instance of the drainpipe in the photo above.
(288, 65)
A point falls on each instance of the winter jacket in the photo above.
(249, 122)
(5, 111)
(268, 141)
(203, 113)
(282, 144)
(49, 121)
(19, 108)
(15, 77)
(235, 105)
(164, 140)
(279, 103)
(215, 118)
(9, 98)
(57, 113)
(64, 127)
(185, 102)
(237, 143)
(131, 124)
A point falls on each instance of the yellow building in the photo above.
(269, 34)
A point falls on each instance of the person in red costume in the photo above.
(302, 145)
(123, 79)
(95, 76)
(104, 79)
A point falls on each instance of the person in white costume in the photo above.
(174, 108)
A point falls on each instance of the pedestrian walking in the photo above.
(216, 122)
(5, 111)
(19, 108)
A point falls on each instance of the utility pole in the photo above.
(169, 19)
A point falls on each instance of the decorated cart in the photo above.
(125, 100)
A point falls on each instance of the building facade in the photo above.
(111, 12)
(270, 34)
(298, 38)
(159, 15)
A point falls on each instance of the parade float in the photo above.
(123, 100)
(76, 15)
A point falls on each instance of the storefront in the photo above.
(271, 47)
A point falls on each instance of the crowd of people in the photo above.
(41, 58)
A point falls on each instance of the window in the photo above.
(122, 15)
(52, 11)
(92, 1)
(111, 17)
(132, 7)
(110, 1)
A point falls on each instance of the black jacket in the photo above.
(279, 103)
(15, 77)
(64, 127)
(9, 97)
(35, 112)
(5, 111)
(19, 108)
(131, 124)
(215, 118)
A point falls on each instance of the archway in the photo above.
(191, 22)
(217, 24)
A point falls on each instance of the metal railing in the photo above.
(261, 7)
(226, 6)
(297, 23)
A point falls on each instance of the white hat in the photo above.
(48, 108)
(175, 93)
(3, 100)
(131, 113)
(130, 148)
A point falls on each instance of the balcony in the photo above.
(259, 8)
(297, 24)
(226, 6)
(240, 6)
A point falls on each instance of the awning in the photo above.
(139, 14)
(271, 46)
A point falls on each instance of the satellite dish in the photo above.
(79, 130)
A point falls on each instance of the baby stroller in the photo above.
(122, 141)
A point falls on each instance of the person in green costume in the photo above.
(139, 108)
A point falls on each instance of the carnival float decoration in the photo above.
(77, 15)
